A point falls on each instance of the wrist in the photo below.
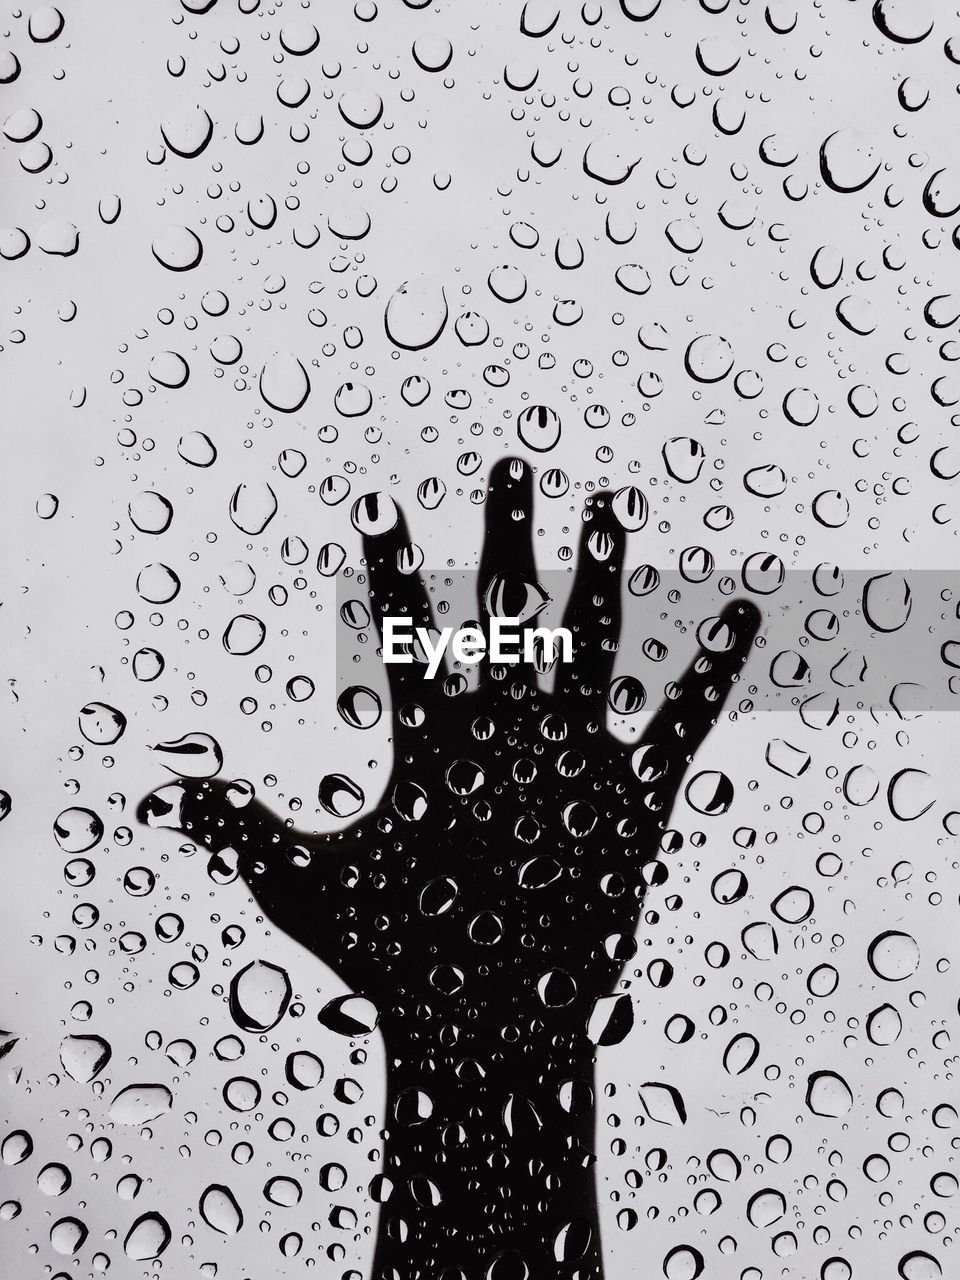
(488, 1149)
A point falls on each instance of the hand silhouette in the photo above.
(487, 904)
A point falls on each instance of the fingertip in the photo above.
(744, 617)
(374, 514)
(602, 538)
(163, 807)
(509, 473)
(377, 540)
(510, 491)
(380, 551)
(508, 520)
(599, 514)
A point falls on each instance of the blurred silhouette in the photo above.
(487, 904)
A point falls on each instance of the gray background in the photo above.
(86, 420)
